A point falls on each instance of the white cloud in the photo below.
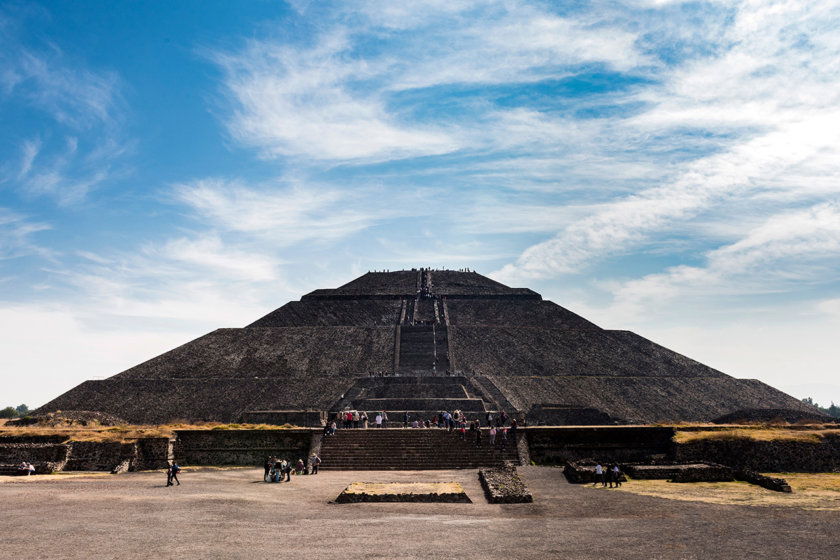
(300, 102)
(75, 149)
(286, 214)
(334, 101)
(209, 253)
(16, 231)
(774, 102)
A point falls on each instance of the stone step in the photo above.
(411, 449)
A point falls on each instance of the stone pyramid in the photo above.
(425, 340)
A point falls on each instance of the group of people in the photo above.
(26, 469)
(276, 469)
(610, 474)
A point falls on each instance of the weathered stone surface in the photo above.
(822, 455)
(769, 482)
(504, 486)
(522, 354)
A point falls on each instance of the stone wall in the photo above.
(152, 453)
(99, 455)
(46, 457)
(621, 443)
(821, 455)
(240, 447)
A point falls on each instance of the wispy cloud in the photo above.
(16, 233)
(773, 101)
(343, 99)
(288, 212)
(76, 138)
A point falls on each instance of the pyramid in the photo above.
(425, 340)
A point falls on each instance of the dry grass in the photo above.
(756, 434)
(126, 433)
(810, 491)
(404, 488)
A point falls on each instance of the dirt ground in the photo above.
(231, 513)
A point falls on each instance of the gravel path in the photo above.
(233, 514)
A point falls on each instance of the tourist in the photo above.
(415, 424)
(478, 437)
(23, 469)
(172, 474)
(378, 419)
(384, 419)
(267, 467)
(492, 436)
(405, 419)
(364, 420)
(355, 418)
(333, 427)
(316, 462)
(463, 430)
(300, 467)
(615, 476)
(599, 475)
(504, 438)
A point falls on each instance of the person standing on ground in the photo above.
(492, 436)
(478, 437)
(405, 419)
(616, 476)
(384, 419)
(599, 474)
(316, 462)
(378, 420)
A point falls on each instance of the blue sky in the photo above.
(666, 167)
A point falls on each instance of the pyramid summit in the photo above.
(426, 340)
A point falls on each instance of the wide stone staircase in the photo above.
(422, 397)
(412, 449)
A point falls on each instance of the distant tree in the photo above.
(9, 412)
(832, 410)
(22, 410)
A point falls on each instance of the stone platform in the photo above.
(446, 492)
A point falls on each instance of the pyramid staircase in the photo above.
(421, 396)
(411, 449)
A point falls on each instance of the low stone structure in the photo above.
(447, 492)
(769, 482)
(504, 486)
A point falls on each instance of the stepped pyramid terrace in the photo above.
(423, 341)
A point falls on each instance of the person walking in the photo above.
(616, 476)
(405, 419)
(599, 475)
(492, 436)
(175, 470)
